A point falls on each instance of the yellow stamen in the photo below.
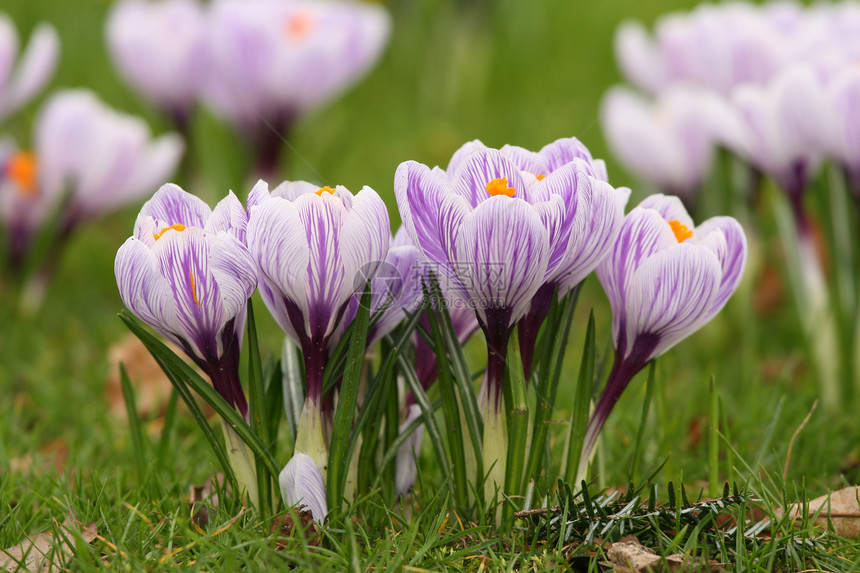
(325, 189)
(22, 169)
(176, 227)
(500, 187)
(193, 291)
(299, 25)
(682, 231)
(540, 176)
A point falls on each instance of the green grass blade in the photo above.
(714, 441)
(345, 412)
(643, 419)
(579, 416)
(138, 439)
(256, 412)
(518, 421)
(177, 370)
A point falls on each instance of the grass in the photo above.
(504, 72)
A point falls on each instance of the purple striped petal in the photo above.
(643, 233)
(563, 151)
(599, 215)
(35, 68)
(171, 206)
(559, 211)
(234, 272)
(671, 295)
(670, 208)
(502, 250)
(480, 168)
(638, 57)
(462, 154)
(280, 248)
(419, 194)
(732, 258)
(229, 216)
(526, 160)
(365, 238)
(301, 483)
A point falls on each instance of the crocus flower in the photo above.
(19, 84)
(272, 61)
(599, 209)
(665, 279)
(494, 232)
(315, 249)
(668, 142)
(160, 49)
(302, 485)
(187, 273)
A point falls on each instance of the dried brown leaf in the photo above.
(839, 511)
(45, 551)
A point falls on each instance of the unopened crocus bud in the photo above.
(406, 469)
(302, 484)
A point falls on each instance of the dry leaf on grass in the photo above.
(203, 497)
(151, 387)
(629, 556)
(45, 551)
(839, 511)
(285, 527)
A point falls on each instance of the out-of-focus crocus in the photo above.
(494, 233)
(187, 273)
(160, 49)
(272, 61)
(668, 142)
(695, 48)
(665, 279)
(19, 84)
(315, 248)
(302, 484)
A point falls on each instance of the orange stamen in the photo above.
(299, 25)
(325, 189)
(176, 227)
(193, 291)
(22, 169)
(540, 176)
(682, 231)
(500, 187)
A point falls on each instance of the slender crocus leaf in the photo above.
(450, 410)
(336, 362)
(582, 401)
(713, 441)
(293, 385)
(167, 430)
(462, 376)
(391, 453)
(345, 412)
(549, 381)
(273, 407)
(643, 419)
(177, 370)
(518, 421)
(137, 437)
(423, 402)
(258, 426)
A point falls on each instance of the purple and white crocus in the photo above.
(665, 279)
(315, 248)
(187, 273)
(273, 61)
(160, 49)
(20, 83)
(494, 232)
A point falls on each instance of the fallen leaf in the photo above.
(203, 497)
(45, 551)
(284, 526)
(629, 556)
(839, 511)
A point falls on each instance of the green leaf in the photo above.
(184, 379)
(518, 421)
(137, 436)
(258, 424)
(293, 381)
(643, 419)
(346, 404)
(582, 402)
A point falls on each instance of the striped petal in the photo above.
(365, 236)
(502, 251)
(282, 254)
(419, 194)
(462, 154)
(671, 295)
(234, 272)
(301, 484)
(229, 216)
(170, 205)
(479, 169)
(406, 469)
(599, 215)
(670, 208)
(731, 251)
(35, 69)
